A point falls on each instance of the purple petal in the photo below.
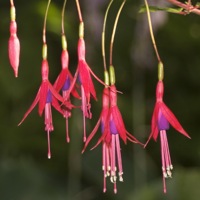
(113, 128)
(163, 124)
(66, 84)
(49, 97)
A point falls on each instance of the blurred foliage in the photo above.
(26, 173)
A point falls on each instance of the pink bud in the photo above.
(14, 48)
(81, 49)
(45, 70)
(64, 59)
(159, 91)
(113, 96)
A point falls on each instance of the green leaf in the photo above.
(155, 8)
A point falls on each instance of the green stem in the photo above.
(103, 36)
(63, 16)
(114, 30)
(79, 11)
(45, 21)
(151, 31)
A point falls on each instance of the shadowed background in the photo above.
(25, 171)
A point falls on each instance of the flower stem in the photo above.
(63, 15)
(11, 2)
(79, 10)
(151, 31)
(45, 21)
(114, 30)
(103, 36)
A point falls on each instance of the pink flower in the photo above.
(87, 86)
(63, 82)
(46, 97)
(162, 117)
(14, 48)
(112, 129)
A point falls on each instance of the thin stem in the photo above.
(45, 21)
(79, 10)
(103, 35)
(11, 2)
(151, 31)
(63, 16)
(114, 30)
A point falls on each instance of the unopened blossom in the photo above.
(161, 120)
(13, 43)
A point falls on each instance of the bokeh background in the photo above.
(25, 171)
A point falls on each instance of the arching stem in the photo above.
(103, 36)
(45, 21)
(114, 30)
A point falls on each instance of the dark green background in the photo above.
(25, 171)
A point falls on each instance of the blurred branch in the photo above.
(188, 7)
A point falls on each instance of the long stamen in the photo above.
(113, 161)
(119, 158)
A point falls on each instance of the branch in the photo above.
(188, 7)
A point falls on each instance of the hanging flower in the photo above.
(46, 97)
(13, 43)
(112, 129)
(63, 82)
(84, 77)
(162, 117)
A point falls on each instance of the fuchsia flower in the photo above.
(63, 82)
(162, 117)
(13, 43)
(112, 128)
(87, 86)
(46, 97)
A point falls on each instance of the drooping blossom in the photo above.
(46, 97)
(161, 120)
(117, 130)
(102, 123)
(63, 82)
(13, 43)
(85, 79)
(112, 129)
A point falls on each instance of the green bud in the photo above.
(106, 78)
(112, 75)
(44, 51)
(12, 13)
(81, 30)
(64, 42)
(160, 71)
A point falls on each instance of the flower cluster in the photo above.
(80, 86)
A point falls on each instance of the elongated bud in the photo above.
(113, 96)
(12, 13)
(45, 70)
(81, 49)
(81, 30)
(64, 59)
(112, 75)
(64, 42)
(44, 52)
(106, 78)
(159, 91)
(105, 98)
(14, 48)
(160, 71)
